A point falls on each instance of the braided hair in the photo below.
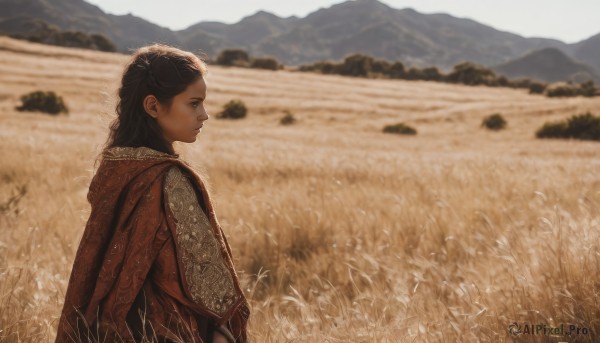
(159, 70)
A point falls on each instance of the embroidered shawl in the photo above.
(153, 259)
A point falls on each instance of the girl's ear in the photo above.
(151, 106)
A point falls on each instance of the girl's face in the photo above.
(183, 120)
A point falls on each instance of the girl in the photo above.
(153, 263)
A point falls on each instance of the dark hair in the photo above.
(159, 70)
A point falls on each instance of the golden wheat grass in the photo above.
(341, 233)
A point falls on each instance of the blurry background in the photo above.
(383, 173)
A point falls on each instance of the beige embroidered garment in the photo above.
(153, 259)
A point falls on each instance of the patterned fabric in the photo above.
(130, 153)
(210, 281)
(135, 273)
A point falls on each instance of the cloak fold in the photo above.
(153, 260)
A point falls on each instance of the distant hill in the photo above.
(211, 37)
(372, 27)
(361, 26)
(39, 31)
(126, 31)
(549, 65)
(248, 31)
(588, 51)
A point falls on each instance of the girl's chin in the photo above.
(189, 140)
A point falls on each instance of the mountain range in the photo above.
(550, 65)
(360, 26)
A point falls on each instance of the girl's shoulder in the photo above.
(135, 153)
(180, 188)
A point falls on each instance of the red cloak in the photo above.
(153, 260)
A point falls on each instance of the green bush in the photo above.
(233, 57)
(400, 128)
(39, 101)
(264, 63)
(287, 119)
(234, 109)
(494, 122)
(583, 126)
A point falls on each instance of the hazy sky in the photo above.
(569, 21)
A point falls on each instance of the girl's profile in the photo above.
(153, 263)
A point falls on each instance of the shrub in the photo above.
(552, 130)
(466, 73)
(324, 67)
(44, 33)
(233, 57)
(502, 81)
(494, 122)
(413, 74)
(356, 65)
(396, 70)
(588, 89)
(520, 83)
(431, 74)
(537, 88)
(102, 43)
(583, 126)
(380, 67)
(471, 74)
(40, 101)
(287, 119)
(265, 63)
(234, 109)
(400, 128)
(562, 90)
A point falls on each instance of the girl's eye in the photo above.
(195, 104)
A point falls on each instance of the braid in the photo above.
(149, 76)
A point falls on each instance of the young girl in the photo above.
(153, 263)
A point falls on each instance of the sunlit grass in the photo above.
(340, 233)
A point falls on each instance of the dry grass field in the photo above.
(341, 233)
